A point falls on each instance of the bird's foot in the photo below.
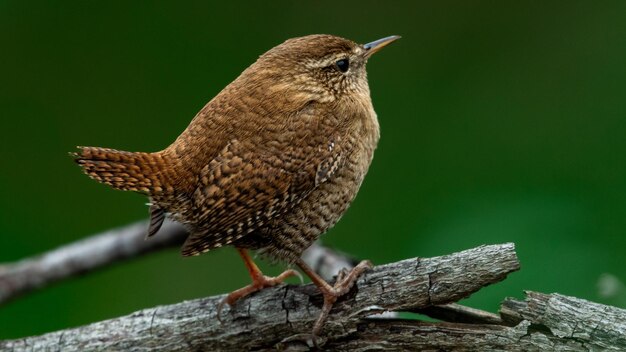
(259, 282)
(345, 281)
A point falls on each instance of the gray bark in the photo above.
(267, 319)
(542, 322)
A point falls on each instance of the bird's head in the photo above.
(319, 67)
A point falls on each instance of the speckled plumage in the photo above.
(271, 163)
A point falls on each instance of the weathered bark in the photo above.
(588, 326)
(542, 322)
(266, 319)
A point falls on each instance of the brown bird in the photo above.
(269, 164)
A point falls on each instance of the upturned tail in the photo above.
(126, 171)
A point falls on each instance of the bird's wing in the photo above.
(244, 188)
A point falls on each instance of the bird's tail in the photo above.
(127, 171)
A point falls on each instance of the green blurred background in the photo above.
(502, 121)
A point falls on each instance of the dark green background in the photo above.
(501, 122)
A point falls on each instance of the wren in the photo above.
(269, 164)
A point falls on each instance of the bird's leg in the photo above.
(259, 281)
(345, 281)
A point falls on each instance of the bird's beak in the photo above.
(371, 48)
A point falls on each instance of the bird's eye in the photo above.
(343, 65)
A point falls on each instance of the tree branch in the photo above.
(542, 322)
(263, 320)
(83, 256)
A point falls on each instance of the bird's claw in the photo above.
(258, 283)
(344, 283)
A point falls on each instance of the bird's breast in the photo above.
(322, 208)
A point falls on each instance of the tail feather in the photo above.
(127, 171)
